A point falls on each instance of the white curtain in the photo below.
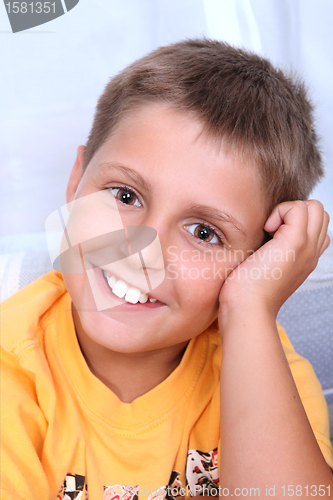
(52, 75)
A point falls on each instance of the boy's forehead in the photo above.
(158, 119)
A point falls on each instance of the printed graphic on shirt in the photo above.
(202, 473)
(175, 487)
(160, 494)
(118, 492)
(73, 488)
(202, 477)
(169, 492)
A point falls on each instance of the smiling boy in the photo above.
(124, 391)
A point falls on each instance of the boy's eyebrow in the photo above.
(203, 210)
(214, 213)
(129, 172)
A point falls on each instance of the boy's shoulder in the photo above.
(22, 313)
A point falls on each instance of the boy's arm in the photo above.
(266, 439)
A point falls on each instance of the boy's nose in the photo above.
(144, 252)
(143, 248)
(153, 256)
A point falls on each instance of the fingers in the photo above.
(284, 214)
(273, 222)
(324, 239)
(289, 219)
(302, 223)
(318, 225)
(315, 221)
(326, 244)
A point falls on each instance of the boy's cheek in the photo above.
(212, 272)
(76, 285)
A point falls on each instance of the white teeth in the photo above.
(120, 289)
(112, 281)
(143, 298)
(132, 295)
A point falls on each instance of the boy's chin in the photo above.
(114, 328)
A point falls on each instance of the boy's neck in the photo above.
(128, 375)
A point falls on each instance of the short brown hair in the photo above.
(238, 95)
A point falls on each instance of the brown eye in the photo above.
(126, 196)
(204, 233)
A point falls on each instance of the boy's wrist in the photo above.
(245, 312)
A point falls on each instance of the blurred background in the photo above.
(52, 75)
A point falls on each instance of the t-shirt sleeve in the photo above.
(311, 394)
(23, 429)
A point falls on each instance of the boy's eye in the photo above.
(204, 233)
(126, 196)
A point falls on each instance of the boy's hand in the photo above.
(271, 274)
(263, 423)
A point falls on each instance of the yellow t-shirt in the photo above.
(64, 431)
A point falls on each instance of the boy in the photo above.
(114, 388)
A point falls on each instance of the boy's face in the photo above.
(174, 171)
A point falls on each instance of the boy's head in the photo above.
(157, 170)
(238, 96)
(197, 124)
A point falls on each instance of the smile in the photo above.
(128, 292)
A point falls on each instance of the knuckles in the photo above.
(315, 206)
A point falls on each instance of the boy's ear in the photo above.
(76, 174)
